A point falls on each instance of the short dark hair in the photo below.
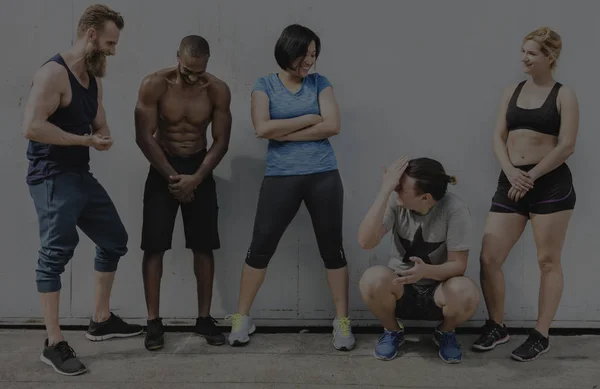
(430, 177)
(293, 43)
(195, 46)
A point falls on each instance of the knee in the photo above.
(258, 260)
(51, 265)
(462, 293)
(548, 262)
(334, 259)
(374, 282)
(490, 261)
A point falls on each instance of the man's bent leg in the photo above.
(102, 224)
(381, 296)
(458, 298)
(58, 202)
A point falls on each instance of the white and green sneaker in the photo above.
(241, 329)
(343, 339)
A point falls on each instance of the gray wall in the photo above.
(411, 78)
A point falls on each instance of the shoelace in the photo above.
(533, 343)
(448, 339)
(236, 321)
(65, 351)
(344, 326)
(389, 337)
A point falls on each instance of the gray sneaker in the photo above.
(343, 339)
(241, 329)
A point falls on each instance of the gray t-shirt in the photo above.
(446, 227)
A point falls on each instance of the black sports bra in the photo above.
(545, 119)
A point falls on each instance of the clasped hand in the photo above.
(412, 275)
(182, 187)
(521, 182)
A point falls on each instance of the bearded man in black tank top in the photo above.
(64, 117)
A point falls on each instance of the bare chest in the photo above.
(192, 108)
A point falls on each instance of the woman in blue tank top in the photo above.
(297, 112)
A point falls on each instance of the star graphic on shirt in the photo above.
(418, 247)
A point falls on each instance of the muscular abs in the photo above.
(183, 118)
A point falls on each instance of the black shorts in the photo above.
(200, 217)
(417, 303)
(553, 192)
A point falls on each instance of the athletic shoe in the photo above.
(241, 329)
(535, 345)
(343, 339)
(62, 358)
(449, 349)
(114, 327)
(492, 335)
(388, 344)
(205, 326)
(155, 332)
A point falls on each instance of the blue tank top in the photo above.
(46, 160)
(296, 158)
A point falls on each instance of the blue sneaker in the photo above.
(450, 351)
(388, 343)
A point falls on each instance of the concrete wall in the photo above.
(410, 77)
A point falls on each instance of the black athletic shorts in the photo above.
(553, 192)
(200, 217)
(417, 303)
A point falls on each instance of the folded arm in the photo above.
(221, 131)
(48, 87)
(566, 139)
(146, 123)
(268, 128)
(330, 126)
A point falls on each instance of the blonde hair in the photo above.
(452, 180)
(95, 16)
(550, 43)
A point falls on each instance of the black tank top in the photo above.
(545, 119)
(76, 118)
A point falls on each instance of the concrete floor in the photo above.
(303, 360)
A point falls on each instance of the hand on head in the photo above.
(392, 174)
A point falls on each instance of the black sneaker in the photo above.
(114, 327)
(493, 335)
(535, 345)
(154, 335)
(62, 358)
(205, 326)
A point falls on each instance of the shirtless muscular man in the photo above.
(174, 108)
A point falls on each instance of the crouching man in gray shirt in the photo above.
(431, 238)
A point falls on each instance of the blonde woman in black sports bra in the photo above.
(535, 133)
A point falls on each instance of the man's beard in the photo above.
(96, 63)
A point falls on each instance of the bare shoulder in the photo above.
(567, 93)
(153, 85)
(567, 98)
(218, 89)
(51, 75)
(510, 89)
